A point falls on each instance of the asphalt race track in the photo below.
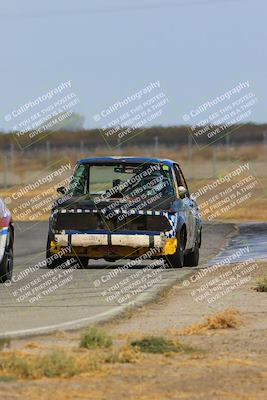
(42, 300)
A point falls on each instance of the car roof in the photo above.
(126, 159)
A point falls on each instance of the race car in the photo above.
(124, 208)
(6, 243)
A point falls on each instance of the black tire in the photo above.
(6, 265)
(176, 260)
(83, 261)
(53, 263)
(192, 259)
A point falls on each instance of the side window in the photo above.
(177, 176)
(180, 177)
(79, 183)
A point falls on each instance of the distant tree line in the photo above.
(167, 136)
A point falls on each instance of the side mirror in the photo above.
(61, 190)
(182, 192)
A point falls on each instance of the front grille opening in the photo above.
(120, 222)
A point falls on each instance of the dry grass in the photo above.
(32, 345)
(95, 338)
(160, 345)
(62, 362)
(126, 355)
(230, 318)
(261, 285)
(56, 363)
(4, 343)
(254, 210)
(7, 378)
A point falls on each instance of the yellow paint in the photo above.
(170, 246)
(53, 247)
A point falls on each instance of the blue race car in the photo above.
(125, 207)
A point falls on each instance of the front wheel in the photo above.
(52, 262)
(83, 261)
(176, 260)
(192, 259)
(6, 265)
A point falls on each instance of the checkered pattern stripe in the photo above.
(172, 217)
(173, 220)
(116, 211)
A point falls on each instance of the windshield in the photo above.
(122, 181)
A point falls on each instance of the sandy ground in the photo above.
(230, 363)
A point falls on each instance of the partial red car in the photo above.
(6, 243)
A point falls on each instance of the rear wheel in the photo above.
(6, 265)
(176, 260)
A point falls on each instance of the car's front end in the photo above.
(91, 233)
(116, 208)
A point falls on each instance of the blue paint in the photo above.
(107, 232)
(135, 160)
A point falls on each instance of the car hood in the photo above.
(83, 202)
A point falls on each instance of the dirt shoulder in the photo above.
(224, 363)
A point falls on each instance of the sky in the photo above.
(111, 49)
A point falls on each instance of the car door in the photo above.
(190, 207)
(4, 223)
